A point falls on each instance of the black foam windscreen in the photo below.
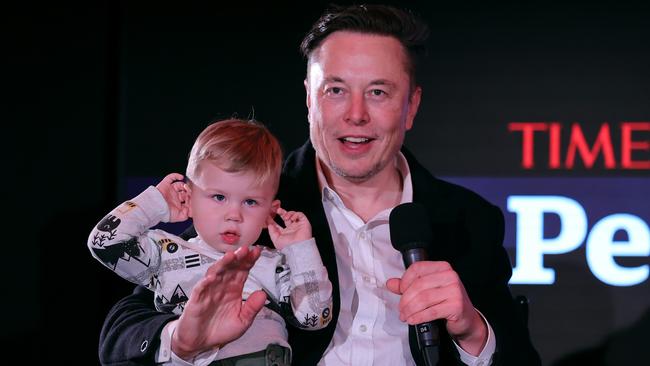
(410, 227)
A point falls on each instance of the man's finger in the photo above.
(422, 269)
(393, 285)
(424, 299)
(431, 313)
(434, 280)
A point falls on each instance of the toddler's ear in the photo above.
(188, 196)
(274, 207)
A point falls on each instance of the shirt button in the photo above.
(366, 278)
(363, 328)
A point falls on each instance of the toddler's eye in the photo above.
(250, 202)
(219, 197)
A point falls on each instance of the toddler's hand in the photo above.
(297, 228)
(174, 191)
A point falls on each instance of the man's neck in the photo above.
(369, 197)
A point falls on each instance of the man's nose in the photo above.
(357, 112)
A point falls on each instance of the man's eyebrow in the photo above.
(338, 79)
(382, 82)
(333, 79)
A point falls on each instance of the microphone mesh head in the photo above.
(410, 227)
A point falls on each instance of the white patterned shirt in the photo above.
(293, 278)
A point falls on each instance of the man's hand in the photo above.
(432, 290)
(297, 228)
(174, 190)
(215, 313)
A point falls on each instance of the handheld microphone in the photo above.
(410, 233)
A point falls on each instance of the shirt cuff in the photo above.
(165, 355)
(485, 357)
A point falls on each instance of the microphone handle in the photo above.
(431, 356)
(427, 333)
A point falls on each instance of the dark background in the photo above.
(106, 91)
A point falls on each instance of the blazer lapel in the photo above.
(299, 191)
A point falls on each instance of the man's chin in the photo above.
(354, 175)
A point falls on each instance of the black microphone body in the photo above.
(410, 233)
(427, 332)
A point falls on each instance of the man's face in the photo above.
(229, 210)
(359, 102)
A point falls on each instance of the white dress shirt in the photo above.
(369, 331)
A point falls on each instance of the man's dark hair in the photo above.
(383, 20)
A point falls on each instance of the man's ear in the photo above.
(414, 104)
(307, 101)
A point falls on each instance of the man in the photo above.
(362, 97)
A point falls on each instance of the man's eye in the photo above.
(377, 92)
(250, 202)
(335, 90)
(219, 197)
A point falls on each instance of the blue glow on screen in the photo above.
(554, 216)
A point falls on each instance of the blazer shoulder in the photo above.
(462, 195)
(298, 161)
(435, 191)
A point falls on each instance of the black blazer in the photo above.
(470, 235)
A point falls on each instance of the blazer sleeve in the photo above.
(131, 332)
(486, 278)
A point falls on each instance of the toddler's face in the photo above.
(229, 210)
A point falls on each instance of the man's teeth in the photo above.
(356, 140)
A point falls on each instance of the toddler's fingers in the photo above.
(175, 177)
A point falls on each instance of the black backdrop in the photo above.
(105, 92)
